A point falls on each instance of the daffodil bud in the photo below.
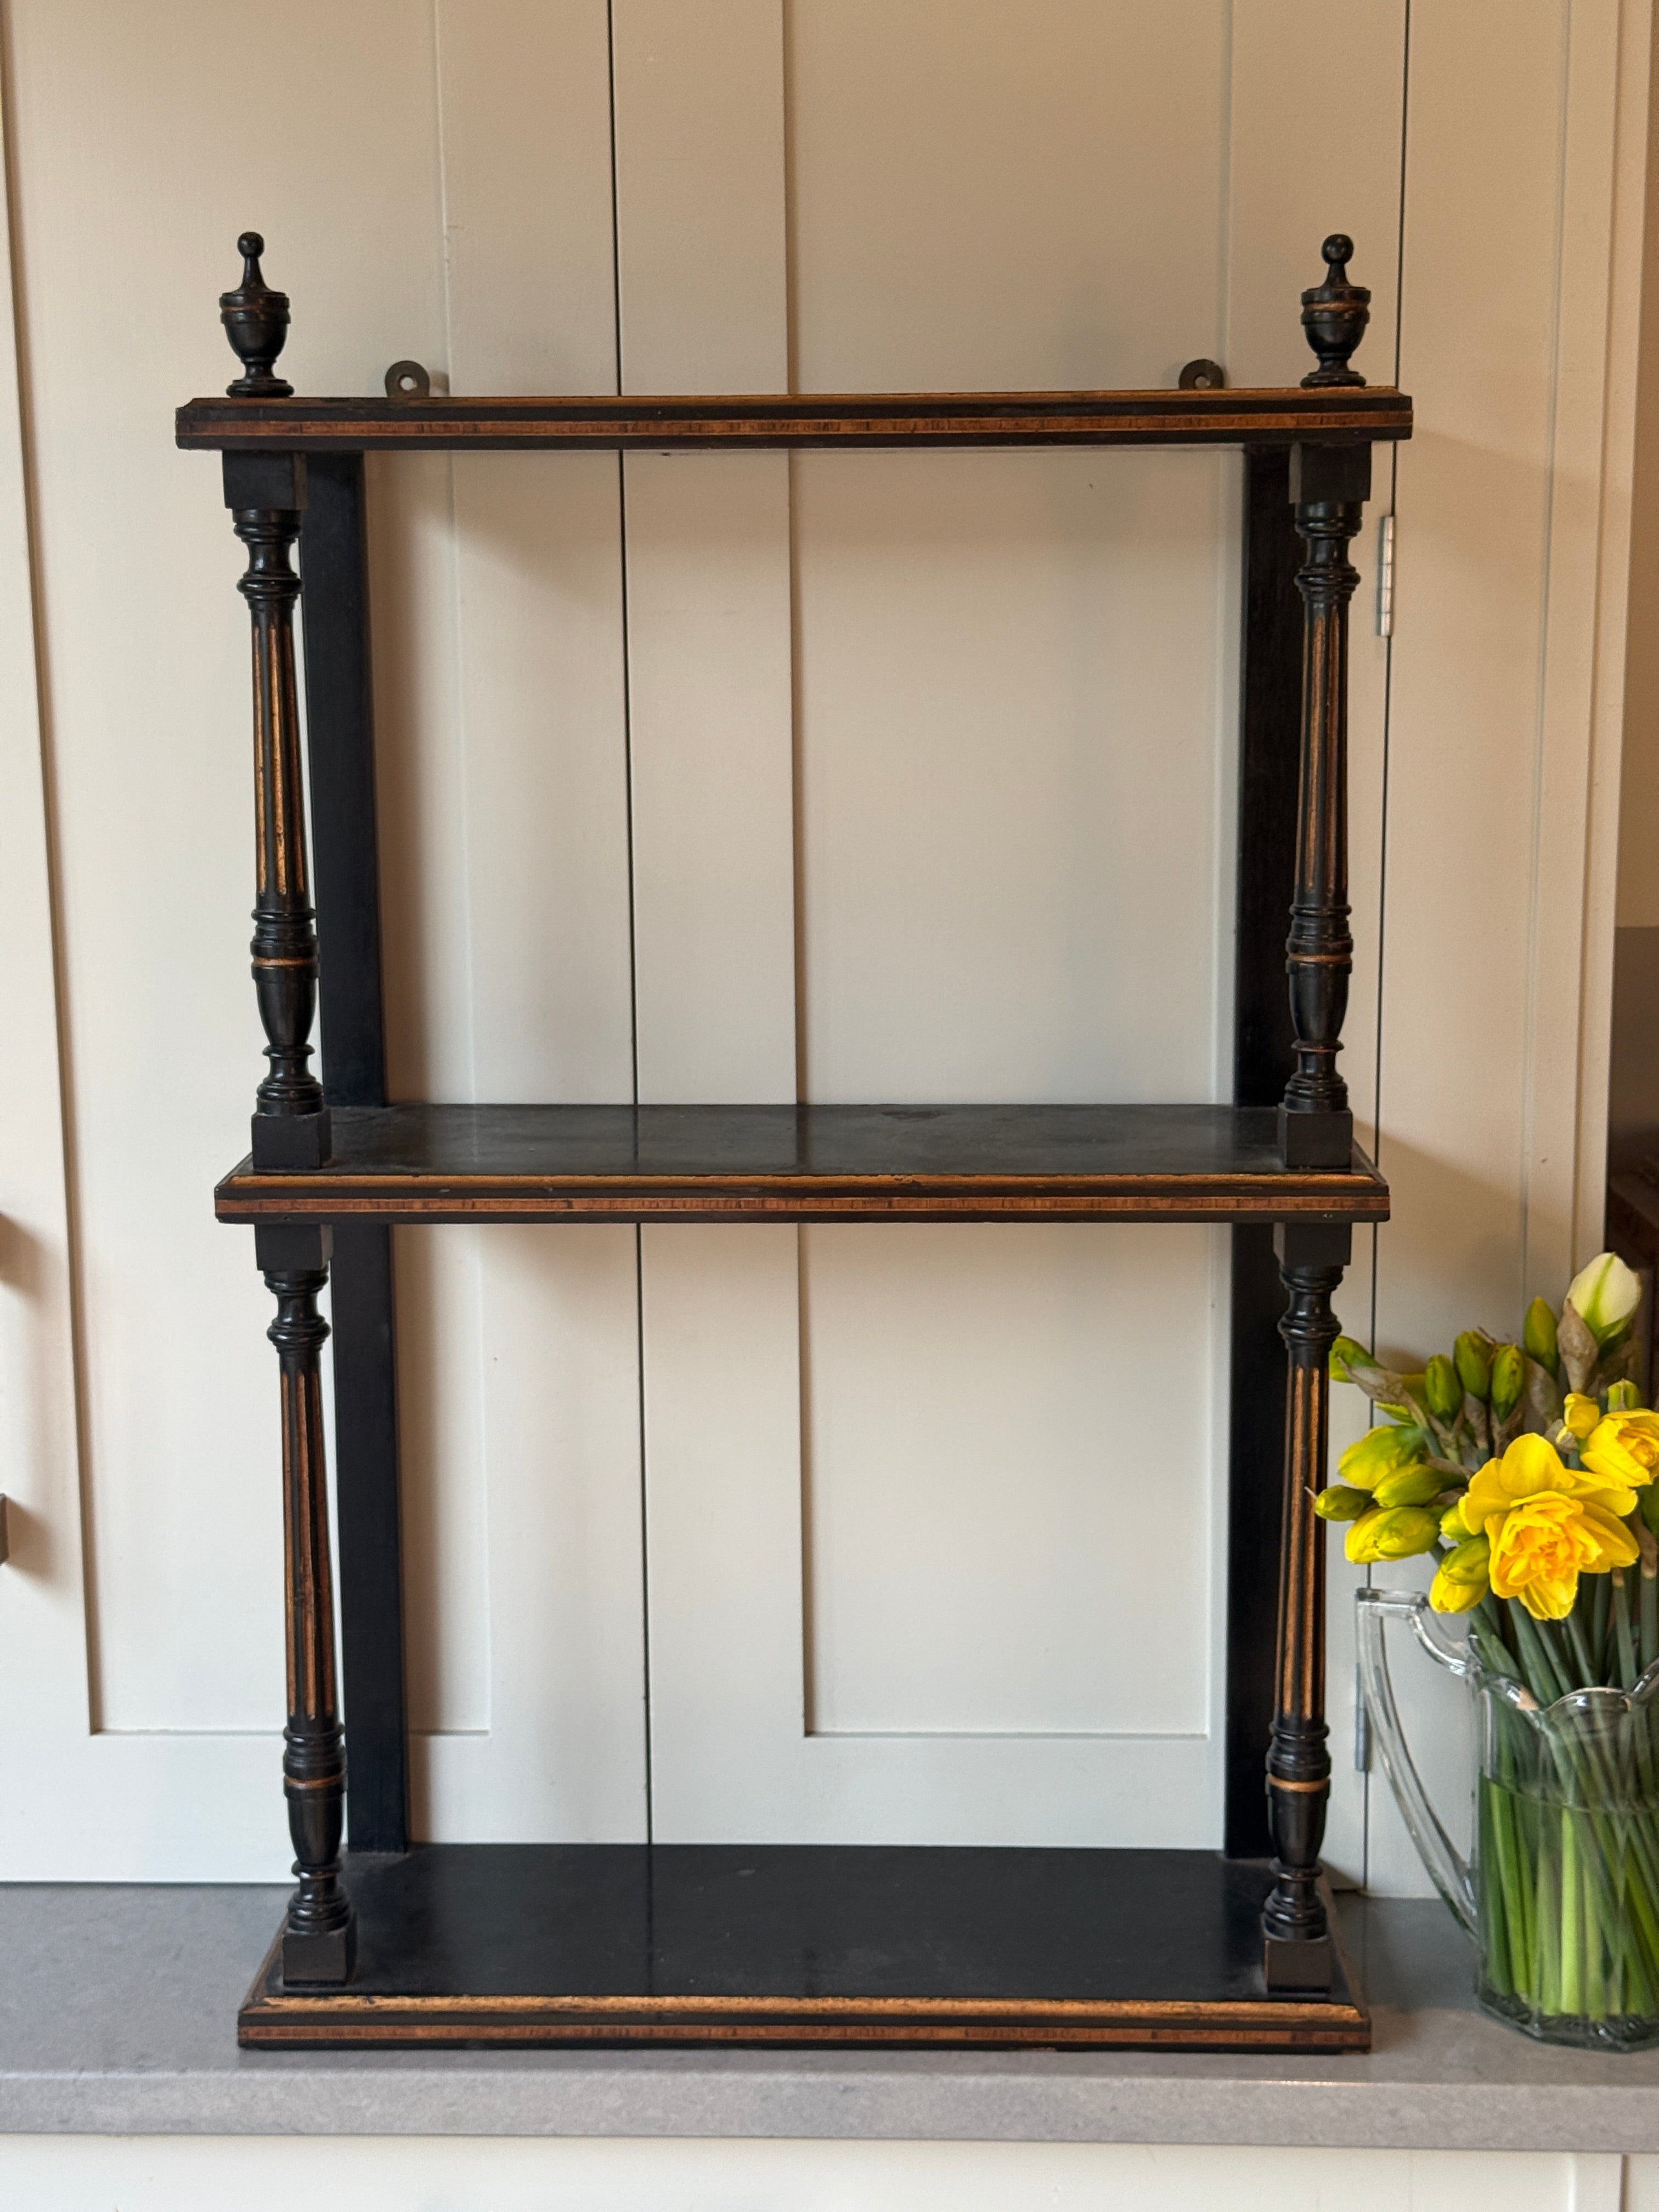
(1538, 1334)
(1403, 1531)
(1357, 1545)
(1469, 1562)
(1604, 1296)
(1509, 1379)
(1412, 1486)
(1340, 1504)
(1447, 1595)
(1345, 1356)
(1443, 1387)
(1453, 1527)
(1624, 1398)
(1474, 1356)
(1381, 1451)
(1580, 1417)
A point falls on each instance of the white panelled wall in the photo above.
(753, 777)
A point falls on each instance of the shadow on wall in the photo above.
(1633, 1100)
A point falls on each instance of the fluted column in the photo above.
(1311, 1257)
(318, 1944)
(1330, 486)
(267, 494)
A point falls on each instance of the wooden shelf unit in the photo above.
(439, 1163)
(844, 1944)
(1352, 414)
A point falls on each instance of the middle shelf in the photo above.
(639, 1164)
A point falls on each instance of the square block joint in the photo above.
(319, 1961)
(1304, 1967)
(293, 1141)
(1314, 1140)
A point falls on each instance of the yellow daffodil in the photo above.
(1462, 1580)
(1542, 1546)
(1399, 1532)
(1443, 1388)
(1381, 1451)
(1540, 1336)
(1473, 1353)
(1533, 1468)
(1604, 1296)
(1468, 1563)
(1622, 1449)
(1447, 1596)
(1337, 1504)
(1580, 1414)
(1409, 1486)
(1509, 1379)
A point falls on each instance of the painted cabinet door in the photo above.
(934, 1515)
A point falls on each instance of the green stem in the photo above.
(1548, 1925)
(1624, 1641)
(1537, 1660)
(1599, 1610)
(1572, 1932)
(1590, 1675)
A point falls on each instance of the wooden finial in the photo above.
(255, 323)
(1335, 315)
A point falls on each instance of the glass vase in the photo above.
(1562, 1898)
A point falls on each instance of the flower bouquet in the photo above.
(1527, 1471)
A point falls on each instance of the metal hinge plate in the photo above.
(1385, 577)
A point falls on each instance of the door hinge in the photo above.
(1385, 577)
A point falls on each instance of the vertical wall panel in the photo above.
(537, 1468)
(1005, 668)
(148, 748)
(701, 284)
(1486, 835)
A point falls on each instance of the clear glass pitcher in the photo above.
(1562, 1901)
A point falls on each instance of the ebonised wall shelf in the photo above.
(386, 1943)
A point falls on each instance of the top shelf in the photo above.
(1339, 414)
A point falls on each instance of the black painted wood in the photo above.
(1170, 1163)
(340, 741)
(716, 1163)
(318, 1942)
(841, 1943)
(611, 423)
(1263, 1056)
(1312, 1256)
(340, 734)
(267, 494)
(369, 1529)
(1329, 486)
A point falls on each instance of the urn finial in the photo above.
(255, 323)
(1335, 315)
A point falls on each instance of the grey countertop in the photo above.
(118, 2011)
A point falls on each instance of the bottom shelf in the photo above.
(848, 1944)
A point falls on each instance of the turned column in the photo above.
(1329, 486)
(1311, 1258)
(318, 1939)
(265, 493)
